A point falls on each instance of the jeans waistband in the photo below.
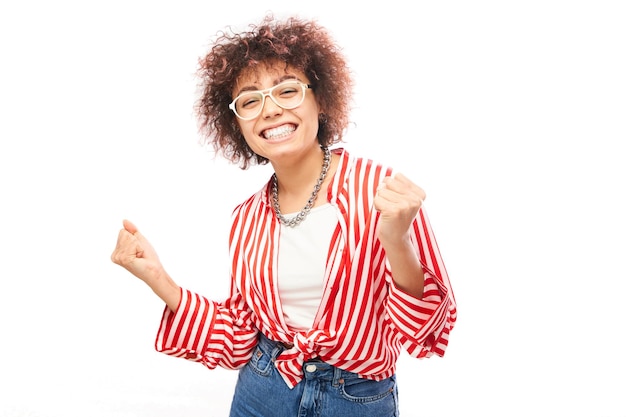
(312, 369)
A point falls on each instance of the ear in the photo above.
(320, 107)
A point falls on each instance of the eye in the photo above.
(249, 100)
(287, 90)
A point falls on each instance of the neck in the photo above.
(300, 200)
(298, 177)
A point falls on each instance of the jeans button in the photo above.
(311, 368)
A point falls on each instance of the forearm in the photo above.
(406, 269)
(167, 290)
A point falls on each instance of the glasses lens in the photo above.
(248, 105)
(288, 95)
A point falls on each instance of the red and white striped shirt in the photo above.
(363, 320)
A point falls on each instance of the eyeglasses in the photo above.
(287, 95)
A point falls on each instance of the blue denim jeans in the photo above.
(326, 391)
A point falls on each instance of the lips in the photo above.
(278, 132)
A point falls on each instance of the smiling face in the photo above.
(278, 133)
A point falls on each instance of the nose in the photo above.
(270, 108)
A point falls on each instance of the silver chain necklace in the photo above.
(309, 204)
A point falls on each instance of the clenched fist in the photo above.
(136, 254)
(398, 200)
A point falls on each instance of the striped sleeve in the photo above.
(424, 324)
(214, 334)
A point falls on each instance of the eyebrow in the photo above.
(276, 82)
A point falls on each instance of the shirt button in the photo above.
(311, 368)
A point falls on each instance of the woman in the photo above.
(334, 269)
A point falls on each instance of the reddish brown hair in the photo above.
(301, 44)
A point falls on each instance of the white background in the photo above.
(510, 114)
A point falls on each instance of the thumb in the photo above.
(130, 227)
(142, 243)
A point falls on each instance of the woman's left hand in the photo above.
(398, 200)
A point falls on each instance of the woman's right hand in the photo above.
(136, 254)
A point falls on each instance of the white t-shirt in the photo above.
(301, 264)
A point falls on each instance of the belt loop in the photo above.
(337, 376)
(276, 347)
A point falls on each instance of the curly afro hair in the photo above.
(301, 44)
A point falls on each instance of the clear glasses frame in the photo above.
(268, 93)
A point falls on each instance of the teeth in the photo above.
(279, 131)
